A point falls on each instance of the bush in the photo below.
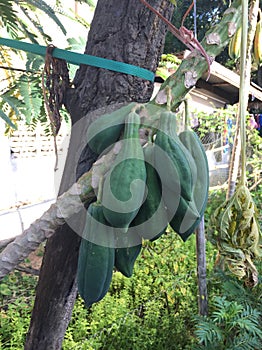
(151, 310)
(234, 321)
(16, 301)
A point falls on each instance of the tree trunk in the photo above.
(128, 32)
(201, 269)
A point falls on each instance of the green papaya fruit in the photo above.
(151, 220)
(95, 261)
(124, 185)
(106, 130)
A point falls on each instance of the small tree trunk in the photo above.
(123, 31)
(201, 269)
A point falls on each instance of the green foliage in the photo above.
(215, 122)
(8, 16)
(154, 309)
(45, 8)
(148, 310)
(76, 44)
(22, 23)
(30, 93)
(234, 319)
(7, 119)
(168, 62)
(22, 97)
(213, 127)
(16, 26)
(254, 164)
(16, 301)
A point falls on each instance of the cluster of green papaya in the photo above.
(149, 186)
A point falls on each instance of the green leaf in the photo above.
(13, 102)
(8, 16)
(90, 3)
(76, 44)
(43, 6)
(34, 62)
(31, 96)
(4, 289)
(7, 119)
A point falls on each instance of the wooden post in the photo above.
(201, 269)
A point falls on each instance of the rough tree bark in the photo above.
(123, 31)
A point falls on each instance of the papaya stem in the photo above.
(187, 118)
(169, 98)
(100, 188)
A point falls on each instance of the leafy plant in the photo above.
(16, 301)
(235, 317)
(150, 310)
(21, 97)
(20, 20)
(8, 16)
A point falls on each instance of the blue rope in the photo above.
(77, 59)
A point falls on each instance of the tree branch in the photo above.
(5, 242)
(28, 270)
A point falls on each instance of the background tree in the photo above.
(21, 88)
(208, 13)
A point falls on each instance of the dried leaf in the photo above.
(235, 231)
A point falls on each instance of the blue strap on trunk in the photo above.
(77, 59)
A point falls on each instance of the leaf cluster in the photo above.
(234, 319)
(20, 19)
(21, 97)
(220, 127)
(16, 302)
(150, 310)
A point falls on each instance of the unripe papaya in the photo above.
(124, 185)
(95, 261)
(151, 220)
(125, 257)
(106, 130)
(178, 171)
(187, 222)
